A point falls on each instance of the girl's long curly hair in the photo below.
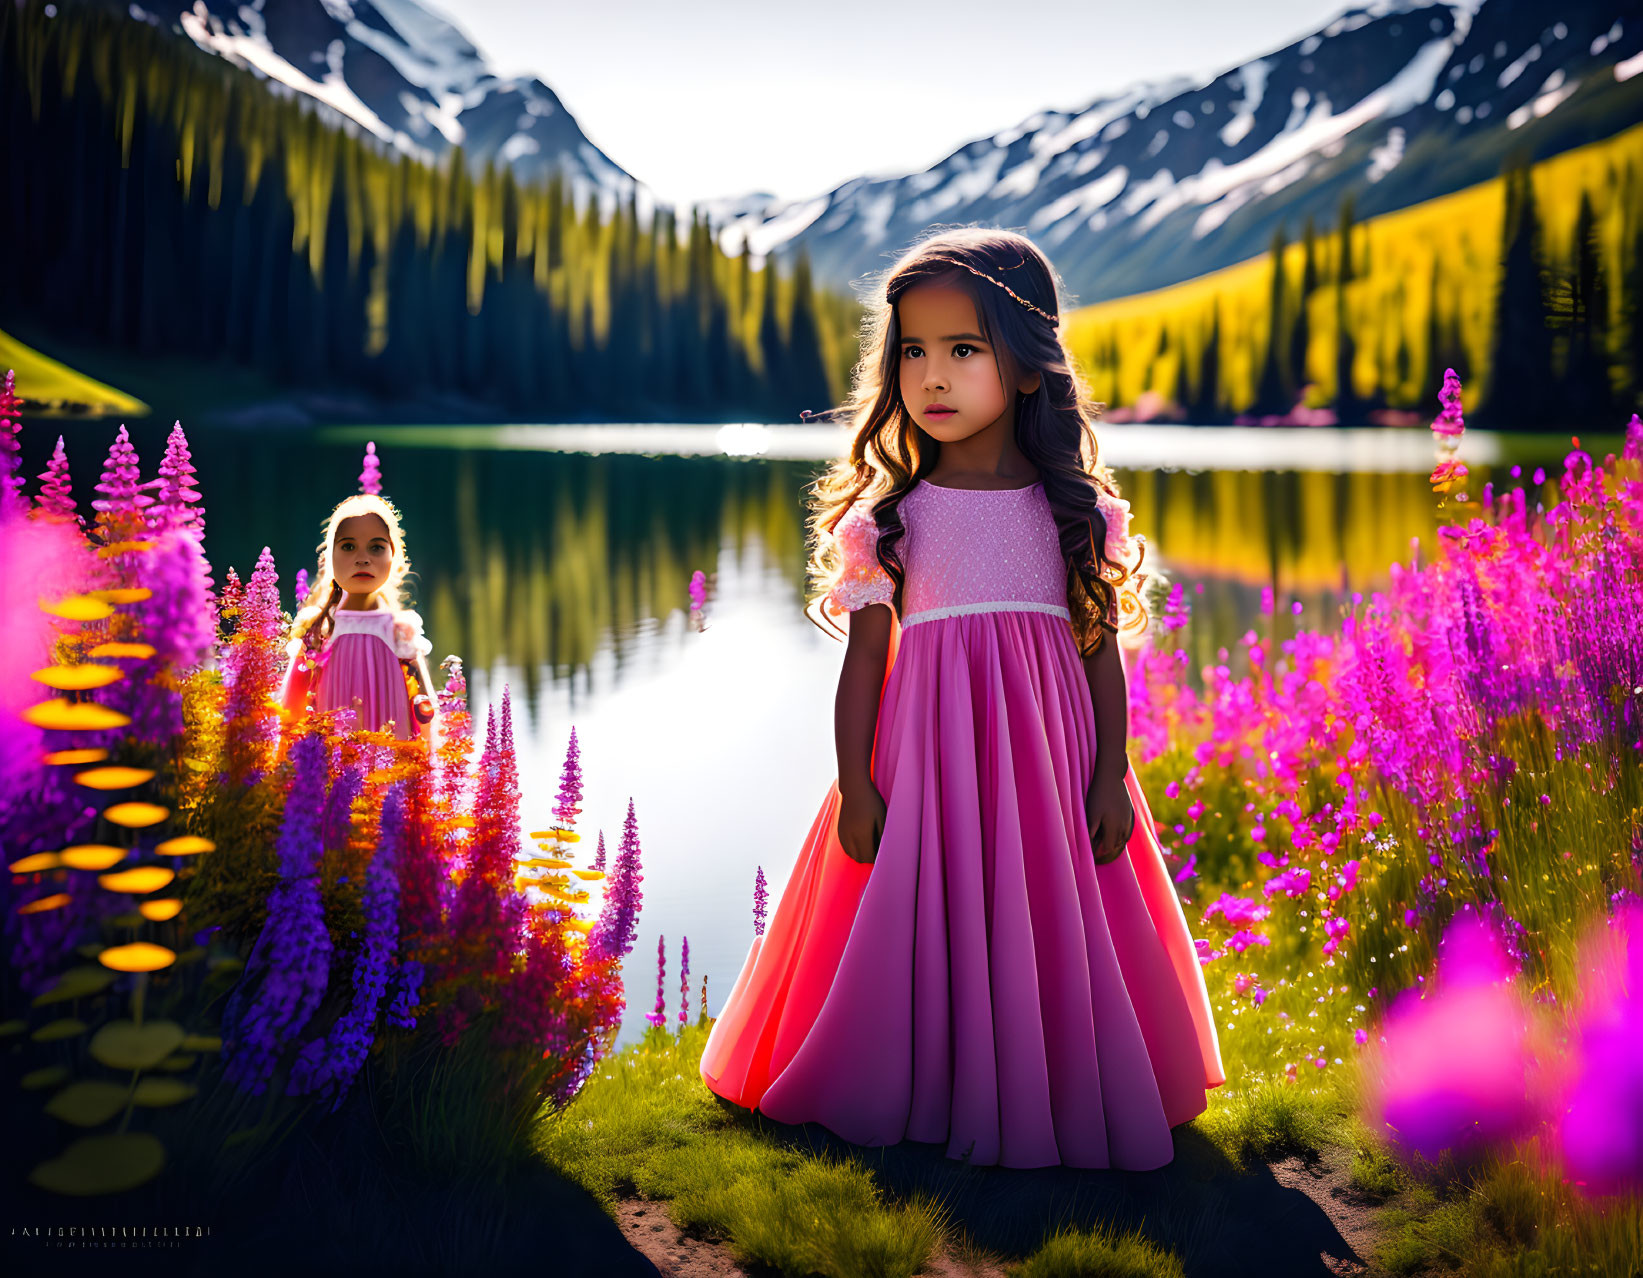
(1054, 425)
(313, 623)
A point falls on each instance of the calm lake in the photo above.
(556, 562)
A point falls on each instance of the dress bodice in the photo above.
(375, 621)
(965, 551)
(980, 550)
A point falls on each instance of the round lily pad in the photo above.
(40, 1079)
(127, 1045)
(77, 982)
(55, 1031)
(102, 1165)
(177, 1061)
(202, 1043)
(88, 1103)
(156, 1093)
(10, 1029)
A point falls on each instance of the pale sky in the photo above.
(716, 99)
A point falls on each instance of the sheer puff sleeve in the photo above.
(409, 642)
(863, 580)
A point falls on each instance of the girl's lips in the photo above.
(939, 412)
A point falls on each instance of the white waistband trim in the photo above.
(960, 610)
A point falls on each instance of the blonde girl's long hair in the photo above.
(1054, 425)
(315, 619)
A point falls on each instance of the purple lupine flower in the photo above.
(658, 1017)
(401, 1012)
(370, 475)
(302, 587)
(612, 934)
(252, 667)
(56, 488)
(684, 982)
(337, 822)
(568, 803)
(11, 452)
(329, 1065)
(290, 962)
(599, 856)
(177, 505)
(176, 620)
(122, 494)
(761, 896)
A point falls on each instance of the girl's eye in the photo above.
(963, 346)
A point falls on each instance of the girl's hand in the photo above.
(861, 822)
(1111, 817)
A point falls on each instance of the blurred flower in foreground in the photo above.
(1601, 1116)
(1452, 1072)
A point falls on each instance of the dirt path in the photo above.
(647, 1226)
(1324, 1180)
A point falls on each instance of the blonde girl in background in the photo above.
(356, 645)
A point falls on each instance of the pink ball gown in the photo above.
(983, 983)
(360, 669)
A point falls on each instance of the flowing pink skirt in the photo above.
(983, 983)
(363, 674)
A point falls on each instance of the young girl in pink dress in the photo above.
(354, 643)
(980, 944)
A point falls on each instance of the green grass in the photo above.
(1099, 1253)
(645, 1124)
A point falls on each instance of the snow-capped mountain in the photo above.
(1396, 101)
(410, 77)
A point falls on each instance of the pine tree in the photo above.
(1274, 395)
(1206, 407)
(1583, 314)
(807, 386)
(772, 347)
(1346, 402)
(1300, 333)
(1521, 358)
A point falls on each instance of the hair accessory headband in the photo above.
(1054, 319)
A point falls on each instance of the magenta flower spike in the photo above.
(658, 1017)
(684, 983)
(761, 896)
(10, 449)
(370, 475)
(566, 806)
(122, 495)
(178, 502)
(599, 856)
(613, 934)
(56, 497)
(1451, 422)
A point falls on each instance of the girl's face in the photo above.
(951, 383)
(362, 554)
